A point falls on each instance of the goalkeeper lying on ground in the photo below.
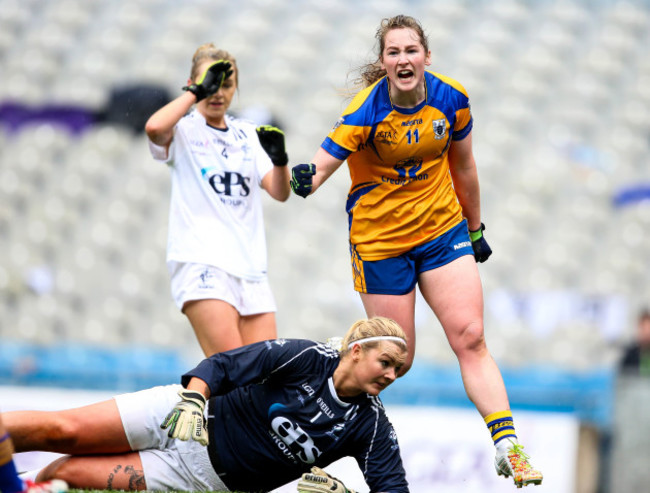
(275, 409)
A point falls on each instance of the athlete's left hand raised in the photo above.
(272, 140)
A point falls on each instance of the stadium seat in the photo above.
(85, 198)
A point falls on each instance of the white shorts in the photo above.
(167, 463)
(201, 282)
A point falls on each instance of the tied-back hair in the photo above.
(371, 327)
(209, 51)
(372, 72)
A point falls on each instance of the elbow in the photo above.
(284, 196)
(152, 130)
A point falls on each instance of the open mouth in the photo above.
(405, 74)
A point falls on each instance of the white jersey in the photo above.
(216, 209)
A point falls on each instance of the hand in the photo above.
(272, 140)
(318, 481)
(211, 80)
(301, 179)
(481, 248)
(186, 419)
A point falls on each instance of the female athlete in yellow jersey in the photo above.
(414, 213)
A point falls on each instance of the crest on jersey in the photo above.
(439, 128)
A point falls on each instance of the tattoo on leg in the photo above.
(136, 481)
(111, 476)
(135, 478)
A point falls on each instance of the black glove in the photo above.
(272, 140)
(211, 80)
(301, 179)
(481, 248)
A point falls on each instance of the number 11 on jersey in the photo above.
(413, 136)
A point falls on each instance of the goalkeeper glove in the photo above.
(272, 140)
(318, 481)
(481, 248)
(186, 419)
(301, 179)
(211, 80)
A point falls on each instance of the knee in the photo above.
(62, 434)
(58, 469)
(470, 340)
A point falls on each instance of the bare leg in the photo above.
(99, 472)
(219, 326)
(455, 294)
(93, 429)
(216, 324)
(258, 327)
(399, 308)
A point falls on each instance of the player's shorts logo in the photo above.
(439, 128)
(206, 279)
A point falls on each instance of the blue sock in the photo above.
(9, 480)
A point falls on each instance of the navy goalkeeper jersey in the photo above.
(274, 413)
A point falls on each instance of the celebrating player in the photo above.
(414, 213)
(216, 249)
(276, 409)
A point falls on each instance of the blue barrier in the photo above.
(82, 366)
(589, 395)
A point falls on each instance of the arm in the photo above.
(326, 165)
(197, 385)
(160, 125)
(225, 371)
(379, 456)
(465, 177)
(276, 183)
(306, 178)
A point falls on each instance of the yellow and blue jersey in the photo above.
(402, 193)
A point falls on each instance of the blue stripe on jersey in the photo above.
(335, 150)
(353, 198)
(465, 132)
(447, 99)
(374, 109)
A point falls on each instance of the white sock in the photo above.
(31, 475)
(505, 444)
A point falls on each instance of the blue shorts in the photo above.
(398, 275)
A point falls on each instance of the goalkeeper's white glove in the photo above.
(186, 419)
(318, 481)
